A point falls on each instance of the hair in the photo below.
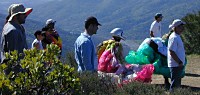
(38, 32)
(88, 24)
(156, 17)
(7, 18)
(116, 38)
(45, 28)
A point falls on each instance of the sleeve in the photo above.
(172, 44)
(86, 55)
(11, 39)
(153, 28)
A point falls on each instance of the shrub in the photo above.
(191, 35)
(92, 84)
(39, 72)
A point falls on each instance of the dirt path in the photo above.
(192, 76)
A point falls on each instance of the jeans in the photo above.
(175, 77)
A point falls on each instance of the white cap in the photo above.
(118, 32)
(50, 21)
(176, 23)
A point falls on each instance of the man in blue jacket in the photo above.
(13, 35)
(85, 54)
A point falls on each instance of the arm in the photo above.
(151, 34)
(152, 29)
(36, 45)
(86, 55)
(172, 46)
(175, 57)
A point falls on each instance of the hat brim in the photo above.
(171, 26)
(26, 12)
(98, 24)
(123, 38)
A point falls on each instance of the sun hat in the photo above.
(9, 8)
(117, 32)
(15, 9)
(176, 23)
(49, 21)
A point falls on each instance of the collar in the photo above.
(86, 34)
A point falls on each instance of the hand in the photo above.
(181, 64)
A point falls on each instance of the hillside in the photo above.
(133, 16)
(31, 26)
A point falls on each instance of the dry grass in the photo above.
(192, 77)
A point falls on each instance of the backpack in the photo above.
(103, 46)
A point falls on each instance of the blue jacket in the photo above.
(85, 54)
(13, 38)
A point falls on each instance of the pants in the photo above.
(175, 77)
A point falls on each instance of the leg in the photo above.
(167, 84)
(175, 77)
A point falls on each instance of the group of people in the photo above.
(14, 38)
(175, 52)
(86, 59)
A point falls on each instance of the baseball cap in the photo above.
(92, 20)
(176, 23)
(157, 15)
(49, 21)
(117, 32)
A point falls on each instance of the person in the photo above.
(13, 34)
(37, 42)
(155, 29)
(114, 47)
(85, 54)
(51, 35)
(176, 53)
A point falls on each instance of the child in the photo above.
(37, 42)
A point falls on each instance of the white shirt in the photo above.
(175, 44)
(156, 29)
(37, 41)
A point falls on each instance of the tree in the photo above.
(191, 35)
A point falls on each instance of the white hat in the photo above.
(15, 9)
(118, 32)
(9, 8)
(49, 21)
(176, 23)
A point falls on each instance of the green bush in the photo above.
(92, 84)
(191, 35)
(39, 72)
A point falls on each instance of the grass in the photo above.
(192, 76)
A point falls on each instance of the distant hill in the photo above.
(134, 16)
(31, 26)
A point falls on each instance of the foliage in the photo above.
(92, 84)
(70, 60)
(39, 72)
(191, 35)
